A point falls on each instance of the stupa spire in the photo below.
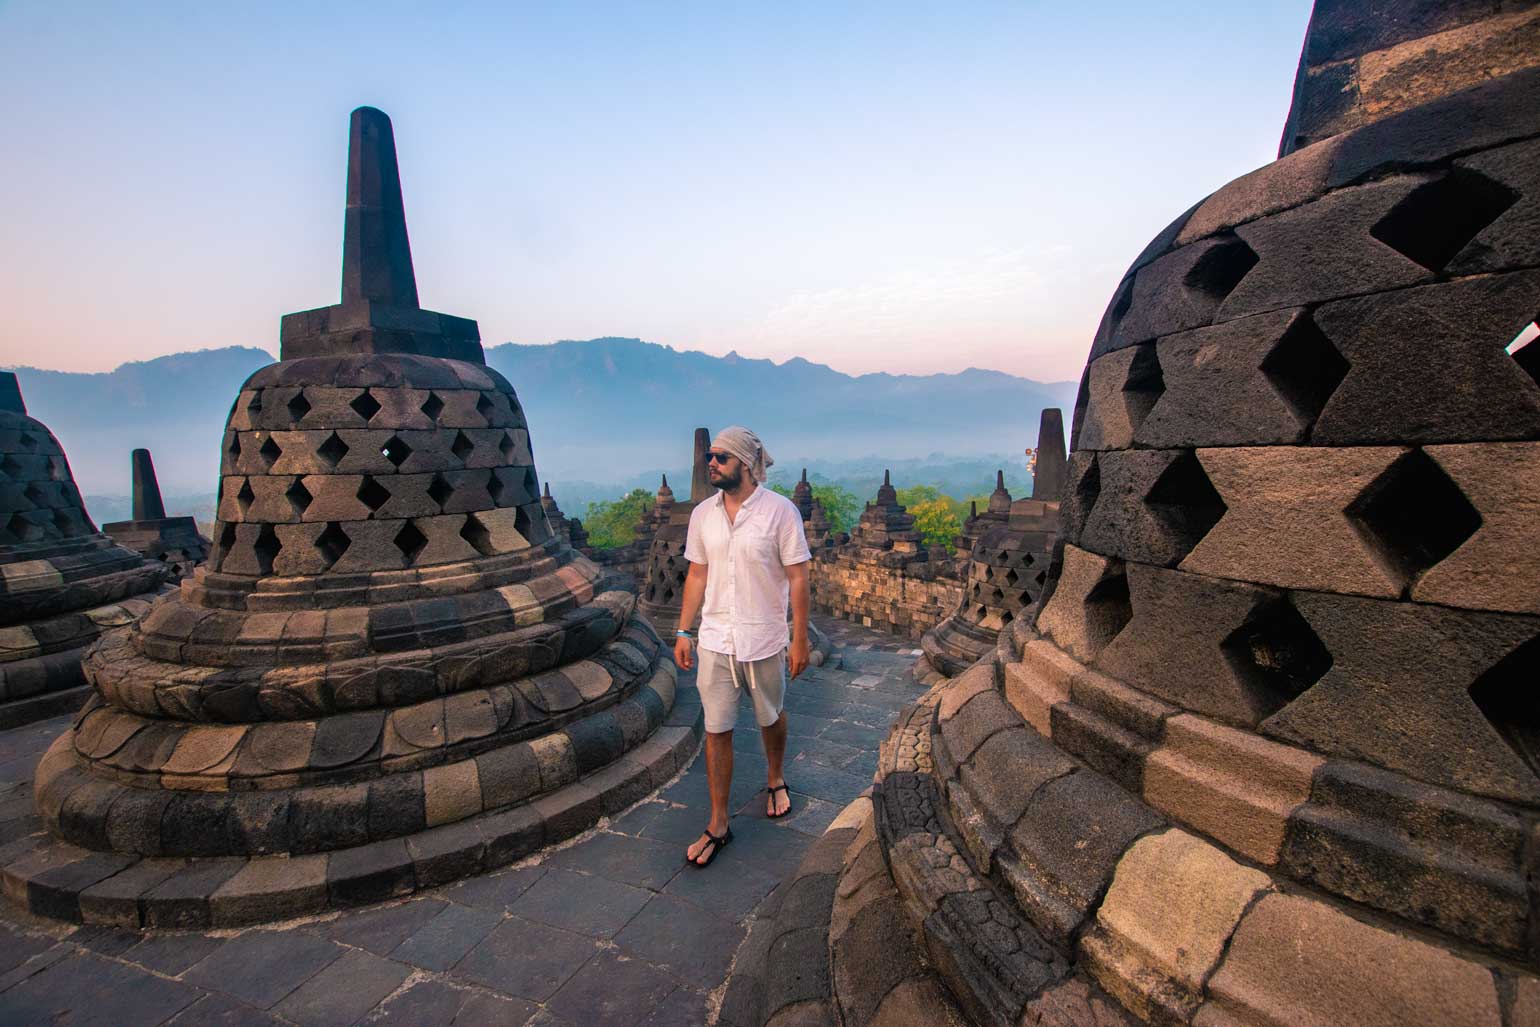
(379, 310)
(1052, 469)
(10, 394)
(376, 254)
(147, 502)
(700, 482)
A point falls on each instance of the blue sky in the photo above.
(879, 187)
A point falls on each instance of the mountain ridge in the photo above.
(598, 408)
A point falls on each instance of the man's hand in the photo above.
(798, 656)
(684, 652)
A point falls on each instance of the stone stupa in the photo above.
(389, 674)
(174, 541)
(62, 582)
(662, 589)
(1269, 753)
(1008, 562)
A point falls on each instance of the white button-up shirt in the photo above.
(746, 591)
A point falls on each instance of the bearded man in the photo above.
(748, 559)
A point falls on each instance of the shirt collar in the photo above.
(720, 499)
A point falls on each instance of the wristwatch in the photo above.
(682, 633)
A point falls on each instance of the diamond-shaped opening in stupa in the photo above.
(1412, 516)
(1220, 269)
(1435, 221)
(1304, 368)
(270, 452)
(365, 405)
(1185, 501)
(332, 543)
(372, 494)
(440, 491)
(267, 548)
(410, 541)
(1276, 655)
(476, 533)
(1505, 695)
(1525, 351)
(298, 496)
(333, 450)
(396, 451)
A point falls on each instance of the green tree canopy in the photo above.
(840, 505)
(612, 523)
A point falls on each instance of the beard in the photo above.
(728, 482)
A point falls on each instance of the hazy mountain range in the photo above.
(603, 414)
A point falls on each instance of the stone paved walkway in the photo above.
(611, 929)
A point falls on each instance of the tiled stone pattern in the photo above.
(391, 671)
(614, 929)
(62, 583)
(884, 577)
(1008, 562)
(174, 541)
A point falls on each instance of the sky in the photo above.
(911, 188)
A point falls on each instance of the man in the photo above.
(748, 557)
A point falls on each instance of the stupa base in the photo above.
(1005, 872)
(52, 878)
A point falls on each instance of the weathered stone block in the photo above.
(1160, 932)
(1341, 976)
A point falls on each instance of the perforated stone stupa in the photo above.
(663, 588)
(1268, 754)
(1008, 563)
(389, 674)
(173, 541)
(61, 581)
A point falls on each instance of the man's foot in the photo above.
(707, 846)
(779, 801)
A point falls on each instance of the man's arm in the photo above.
(689, 609)
(797, 579)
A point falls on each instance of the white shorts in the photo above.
(720, 679)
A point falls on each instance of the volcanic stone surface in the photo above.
(1266, 750)
(62, 583)
(389, 661)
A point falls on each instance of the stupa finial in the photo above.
(147, 502)
(376, 254)
(10, 394)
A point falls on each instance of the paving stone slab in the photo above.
(525, 959)
(262, 967)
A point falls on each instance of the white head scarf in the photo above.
(745, 445)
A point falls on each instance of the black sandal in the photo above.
(717, 845)
(772, 789)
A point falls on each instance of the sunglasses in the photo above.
(719, 458)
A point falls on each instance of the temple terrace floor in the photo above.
(611, 928)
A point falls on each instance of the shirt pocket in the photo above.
(760, 544)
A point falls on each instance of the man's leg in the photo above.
(719, 697)
(719, 776)
(767, 683)
(774, 738)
